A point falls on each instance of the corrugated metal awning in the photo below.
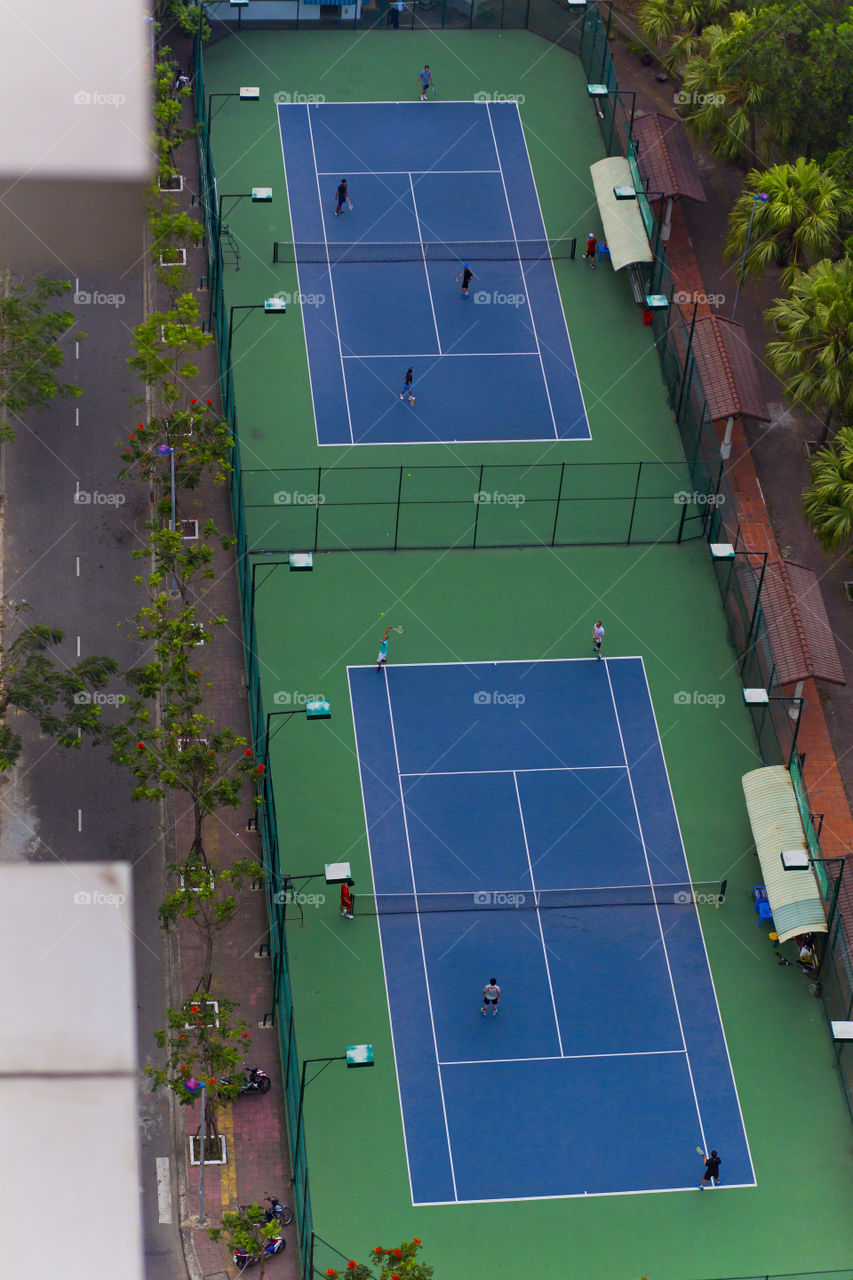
(666, 157)
(794, 896)
(798, 624)
(624, 231)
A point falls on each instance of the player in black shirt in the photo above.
(342, 197)
(466, 275)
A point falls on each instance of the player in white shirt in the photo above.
(491, 998)
(597, 637)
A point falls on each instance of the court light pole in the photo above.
(272, 306)
(356, 1055)
(763, 197)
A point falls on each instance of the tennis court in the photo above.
(521, 825)
(432, 188)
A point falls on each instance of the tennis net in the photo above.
(684, 894)
(416, 251)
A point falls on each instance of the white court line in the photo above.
(503, 662)
(657, 910)
(554, 270)
(380, 173)
(538, 915)
(699, 923)
(584, 1195)
(420, 935)
(547, 768)
(447, 355)
(524, 278)
(331, 281)
(426, 268)
(299, 286)
(564, 1057)
(359, 758)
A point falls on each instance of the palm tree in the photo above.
(814, 356)
(803, 220)
(680, 22)
(828, 502)
(724, 97)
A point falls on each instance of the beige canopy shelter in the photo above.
(774, 816)
(624, 230)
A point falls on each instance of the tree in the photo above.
(162, 344)
(401, 1263)
(187, 752)
(680, 24)
(802, 221)
(802, 54)
(724, 98)
(247, 1229)
(202, 1043)
(201, 440)
(814, 355)
(209, 900)
(62, 700)
(186, 15)
(828, 502)
(30, 350)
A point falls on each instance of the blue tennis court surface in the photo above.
(606, 1066)
(424, 180)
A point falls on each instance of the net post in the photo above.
(478, 505)
(557, 504)
(317, 510)
(275, 251)
(723, 887)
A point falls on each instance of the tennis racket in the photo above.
(349, 205)
(434, 94)
(701, 1152)
(399, 630)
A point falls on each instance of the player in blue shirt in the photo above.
(425, 82)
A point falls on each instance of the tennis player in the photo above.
(382, 657)
(425, 82)
(407, 385)
(346, 900)
(466, 275)
(342, 197)
(589, 252)
(597, 637)
(491, 998)
(712, 1171)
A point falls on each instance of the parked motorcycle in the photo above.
(243, 1259)
(281, 1213)
(257, 1081)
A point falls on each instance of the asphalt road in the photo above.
(70, 528)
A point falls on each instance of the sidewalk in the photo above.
(254, 1126)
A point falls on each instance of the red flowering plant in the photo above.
(398, 1263)
(200, 438)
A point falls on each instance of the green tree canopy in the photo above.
(814, 353)
(30, 350)
(802, 221)
(678, 25)
(828, 502)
